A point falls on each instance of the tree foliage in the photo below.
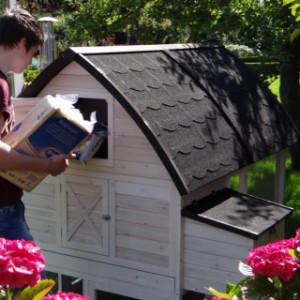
(294, 6)
(40, 7)
(265, 26)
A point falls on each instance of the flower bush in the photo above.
(272, 272)
(21, 264)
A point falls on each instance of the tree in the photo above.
(39, 7)
(263, 25)
(294, 6)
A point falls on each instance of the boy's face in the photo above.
(23, 58)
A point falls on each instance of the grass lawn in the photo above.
(274, 87)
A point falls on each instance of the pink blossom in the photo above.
(274, 260)
(65, 296)
(21, 263)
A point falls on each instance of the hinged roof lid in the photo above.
(236, 212)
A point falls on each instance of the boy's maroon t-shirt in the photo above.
(9, 193)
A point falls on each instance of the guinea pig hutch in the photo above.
(151, 216)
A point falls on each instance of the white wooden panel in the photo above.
(211, 255)
(90, 270)
(74, 68)
(43, 196)
(216, 248)
(142, 223)
(143, 190)
(146, 204)
(212, 261)
(141, 231)
(43, 239)
(132, 169)
(127, 126)
(67, 82)
(142, 218)
(208, 232)
(128, 140)
(120, 112)
(144, 245)
(131, 153)
(200, 285)
(43, 228)
(85, 201)
(155, 260)
(211, 275)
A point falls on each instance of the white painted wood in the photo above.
(62, 82)
(204, 231)
(91, 270)
(41, 212)
(215, 247)
(74, 68)
(143, 190)
(81, 196)
(211, 255)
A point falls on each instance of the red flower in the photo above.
(66, 296)
(274, 260)
(21, 263)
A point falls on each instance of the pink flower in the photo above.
(274, 260)
(66, 296)
(216, 298)
(21, 263)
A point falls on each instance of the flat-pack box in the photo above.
(53, 126)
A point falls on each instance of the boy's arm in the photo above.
(11, 159)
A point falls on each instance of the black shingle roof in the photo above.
(205, 113)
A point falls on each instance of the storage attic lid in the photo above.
(236, 212)
(202, 109)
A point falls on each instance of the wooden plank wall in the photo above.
(211, 256)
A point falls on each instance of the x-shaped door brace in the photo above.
(84, 213)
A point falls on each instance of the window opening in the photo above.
(66, 283)
(72, 284)
(88, 105)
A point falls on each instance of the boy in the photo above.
(20, 39)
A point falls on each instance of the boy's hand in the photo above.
(58, 163)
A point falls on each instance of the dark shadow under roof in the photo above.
(236, 212)
(203, 110)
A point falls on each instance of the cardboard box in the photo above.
(53, 126)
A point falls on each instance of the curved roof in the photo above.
(205, 113)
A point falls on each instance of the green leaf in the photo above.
(287, 2)
(295, 34)
(37, 292)
(261, 288)
(218, 294)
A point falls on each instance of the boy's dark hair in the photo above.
(16, 24)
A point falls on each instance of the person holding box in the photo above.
(20, 40)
